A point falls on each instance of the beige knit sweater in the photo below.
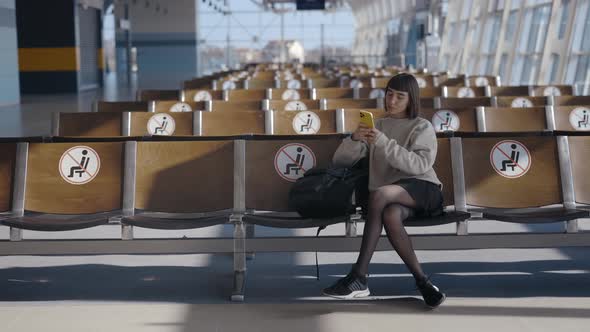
(405, 149)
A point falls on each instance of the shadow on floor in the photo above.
(275, 278)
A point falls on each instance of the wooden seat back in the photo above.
(515, 119)
(272, 166)
(121, 106)
(58, 183)
(91, 124)
(7, 168)
(177, 177)
(232, 123)
(579, 147)
(533, 181)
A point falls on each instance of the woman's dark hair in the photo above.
(407, 83)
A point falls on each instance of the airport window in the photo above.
(530, 69)
(571, 70)
(581, 27)
(582, 70)
(466, 9)
(462, 32)
(553, 65)
(515, 4)
(565, 5)
(539, 31)
(511, 26)
(492, 28)
(476, 36)
(489, 70)
(502, 70)
(495, 5)
(530, 44)
(578, 63)
(471, 65)
(516, 73)
(526, 29)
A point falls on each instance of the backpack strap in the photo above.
(317, 265)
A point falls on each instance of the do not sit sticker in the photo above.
(306, 123)
(181, 107)
(511, 159)
(293, 160)
(580, 118)
(521, 102)
(79, 165)
(445, 120)
(161, 124)
(202, 96)
(295, 105)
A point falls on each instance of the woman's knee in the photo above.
(379, 197)
(393, 212)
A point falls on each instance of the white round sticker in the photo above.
(293, 160)
(295, 105)
(510, 159)
(79, 165)
(579, 118)
(551, 91)
(446, 120)
(290, 94)
(202, 96)
(229, 85)
(161, 124)
(465, 93)
(521, 102)
(377, 94)
(306, 123)
(354, 83)
(293, 84)
(181, 107)
(481, 81)
(421, 82)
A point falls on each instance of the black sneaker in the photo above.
(433, 297)
(349, 287)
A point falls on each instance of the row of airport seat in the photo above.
(325, 104)
(168, 183)
(354, 93)
(204, 123)
(340, 82)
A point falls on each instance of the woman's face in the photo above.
(397, 102)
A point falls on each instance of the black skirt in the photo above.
(428, 196)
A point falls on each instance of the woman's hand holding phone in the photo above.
(372, 135)
(361, 132)
(365, 133)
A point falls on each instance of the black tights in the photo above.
(389, 206)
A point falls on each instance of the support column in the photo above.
(164, 41)
(9, 93)
(59, 46)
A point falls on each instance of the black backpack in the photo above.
(327, 192)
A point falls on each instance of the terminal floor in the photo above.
(488, 290)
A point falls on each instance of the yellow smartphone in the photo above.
(367, 119)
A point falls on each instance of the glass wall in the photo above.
(526, 42)
(252, 34)
(578, 70)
